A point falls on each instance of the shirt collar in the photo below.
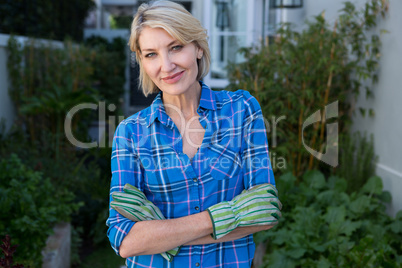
(157, 109)
(207, 100)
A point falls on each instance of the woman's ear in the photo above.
(200, 53)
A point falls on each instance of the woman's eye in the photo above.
(150, 55)
(177, 48)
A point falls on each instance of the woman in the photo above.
(193, 154)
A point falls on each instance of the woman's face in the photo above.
(170, 65)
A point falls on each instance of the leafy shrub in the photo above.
(109, 62)
(299, 73)
(84, 173)
(8, 251)
(46, 82)
(30, 207)
(357, 160)
(324, 226)
(93, 190)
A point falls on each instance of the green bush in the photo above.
(46, 82)
(357, 160)
(84, 173)
(30, 206)
(299, 73)
(92, 188)
(324, 226)
(109, 62)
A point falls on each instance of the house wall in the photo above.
(386, 125)
(7, 111)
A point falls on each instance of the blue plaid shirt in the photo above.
(148, 153)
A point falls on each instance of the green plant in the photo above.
(109, 63)
(92, 188)
(85, 173)
(325, 226)
(30, 206)
(120, 22)
(357, 160)
(8, 250)
(76, 243)
(300, 73)
(46, 82)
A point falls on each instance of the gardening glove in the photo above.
(133, 204)
(257, 206)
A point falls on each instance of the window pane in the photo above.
(288, 3)
(224, 51)
(227, 34)
(278, 3)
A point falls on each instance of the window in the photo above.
(229, 24)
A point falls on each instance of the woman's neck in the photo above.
(185, 104)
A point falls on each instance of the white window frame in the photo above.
(219, 82)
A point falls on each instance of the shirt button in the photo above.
(197, 264)
(197, 208)
(195, 180)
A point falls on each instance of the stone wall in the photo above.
(58, 247)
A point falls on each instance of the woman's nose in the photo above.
(167, 64)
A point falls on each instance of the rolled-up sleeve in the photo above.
(126, 168)
(256, 162)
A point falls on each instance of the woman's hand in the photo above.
(254, 207)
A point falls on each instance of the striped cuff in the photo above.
(223, 219)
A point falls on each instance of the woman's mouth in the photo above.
(173, 78)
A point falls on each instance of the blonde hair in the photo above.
(176, 21)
